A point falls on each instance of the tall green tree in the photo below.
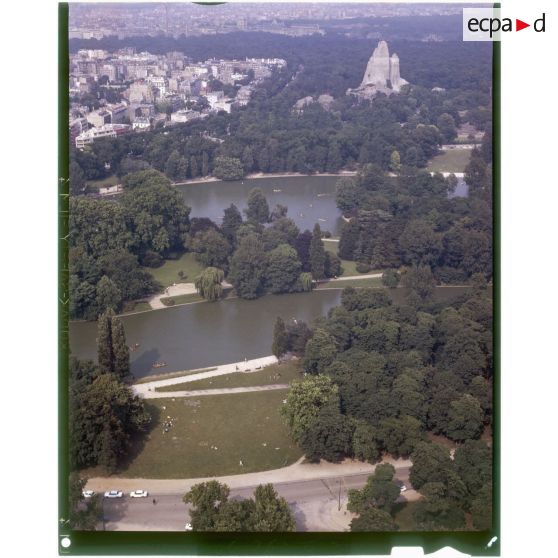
(282, 269)
(112, 350)
(105, 351)
(304, 401)
(280, 338)
(258, 208)
(247, 268)
(317, 254)
(108, 294)
(465, 418)
(272, 512)
(232, 220)
(120, 349)
(320, 352)
(373, 519)
(85, 514)
(208, 283)
(380, 491)
(207, 499)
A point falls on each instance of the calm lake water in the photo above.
(205, 334)
(310, 199)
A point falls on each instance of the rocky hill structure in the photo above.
(381, 74)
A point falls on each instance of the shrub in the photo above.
(152, 259)
(362, 267)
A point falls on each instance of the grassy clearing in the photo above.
(349, 268)
(167, 274)
(454, 160)
(111, 180)
(375, 282)
(274, 374)
(404, 516)
(155, 377)
(244, 426)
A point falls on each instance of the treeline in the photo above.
(408, 220)
(266, 252)
(110, 239)
(213, 510)
(260, 252)
(380, 376)
(267, 136)
(449, 64)
(450, 488)
(104, 414)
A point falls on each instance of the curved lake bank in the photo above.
(207, 334)
(310, 199)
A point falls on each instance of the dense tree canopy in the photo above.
(212, 510)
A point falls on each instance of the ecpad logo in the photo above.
(486, 24)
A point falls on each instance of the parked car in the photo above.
(138, 494)
(88, 493)
(402, 488)
(188, 527)
(113, 494)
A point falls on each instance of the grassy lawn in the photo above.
(349, 268)
(132, 306)
(181, 299)
(404, 516)
(371, 282)
(167, 274)
(154, 377)
(274, 374)
(244, 426)
(454, 160)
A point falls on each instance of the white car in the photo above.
(113, 494)
(402, 488)
(139, 494)
(188, 527)
(88, 493)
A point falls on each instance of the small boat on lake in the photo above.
(159, 364)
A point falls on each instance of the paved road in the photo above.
(315, 504)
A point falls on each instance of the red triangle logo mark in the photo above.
(519, 25)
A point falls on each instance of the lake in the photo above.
(205, 334)
(310, 199)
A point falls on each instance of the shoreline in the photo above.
(256, 175)
(233, 297)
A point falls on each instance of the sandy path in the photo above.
(177, 289)
(147, 389)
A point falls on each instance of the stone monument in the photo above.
(381, 74)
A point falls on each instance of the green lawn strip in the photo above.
(454, 160)
(369, 282)
(167, 274)
(404, 516)
(243, 427)
(182, 299)
(275, 374)
(155, 377)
